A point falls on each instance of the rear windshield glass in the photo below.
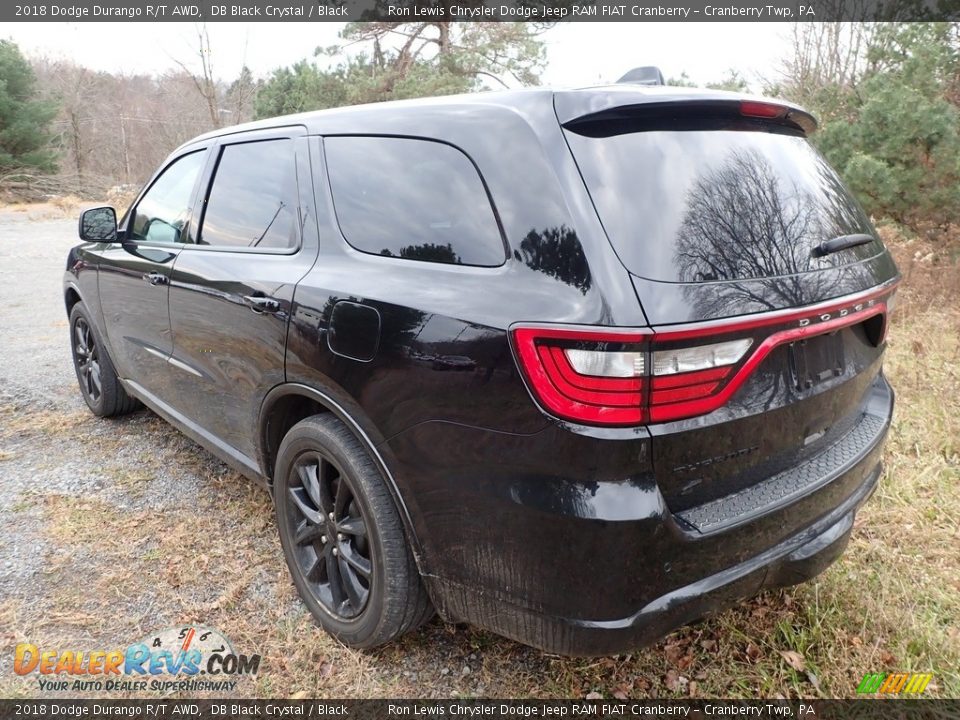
(706, 205)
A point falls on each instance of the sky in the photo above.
(578, 54)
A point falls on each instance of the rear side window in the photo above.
(706, 205)
(162, 212)
(413, 199)
(253, 200)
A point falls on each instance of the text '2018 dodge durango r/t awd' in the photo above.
(577, 367)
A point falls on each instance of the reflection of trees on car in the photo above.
(556, 252)
(429, 252)
(743, 221)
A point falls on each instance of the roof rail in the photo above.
(647, 75)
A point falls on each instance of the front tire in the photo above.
(99, 384)
(343, 538)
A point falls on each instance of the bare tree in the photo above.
(205, 82)
(823, 55)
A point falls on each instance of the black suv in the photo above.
(577, 367)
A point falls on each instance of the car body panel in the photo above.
(230, 353)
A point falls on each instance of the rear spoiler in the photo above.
(613, 111)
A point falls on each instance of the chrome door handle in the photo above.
(262, 304)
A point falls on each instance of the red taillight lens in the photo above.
(750, 108)
(627, 377)
(556, 363)
(620, 378)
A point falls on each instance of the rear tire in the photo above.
(99, 384)
(343, 538)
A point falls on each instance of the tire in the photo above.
(355, 571)
(99, 384)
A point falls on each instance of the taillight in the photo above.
(628, 377)
(753, 108)
(617, 378)
(587, 376)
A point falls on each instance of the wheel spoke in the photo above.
(308, 533)
(317, 569)
(342, 500)
(352, 526)
(356, 593)
(95, 378)
(81, 340)
(354, 559)
(328, 473)
(304, 505)
(333, 577)
(311, 483)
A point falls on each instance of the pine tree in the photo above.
(24, 120)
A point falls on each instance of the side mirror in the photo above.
(98, 225)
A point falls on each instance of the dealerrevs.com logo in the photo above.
(185, 658)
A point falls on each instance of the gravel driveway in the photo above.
(113, 529)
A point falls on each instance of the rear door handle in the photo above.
(156, 278)
(262, 304)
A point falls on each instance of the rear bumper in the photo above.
(603, 566)
(790, 563)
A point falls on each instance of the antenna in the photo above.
(647, 75)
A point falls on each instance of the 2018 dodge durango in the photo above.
(574, 366)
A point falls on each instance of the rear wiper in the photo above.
(844, 242)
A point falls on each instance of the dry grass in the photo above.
(59, 207)
(18, 422)
(891, 603)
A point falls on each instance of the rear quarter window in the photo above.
(412, 199)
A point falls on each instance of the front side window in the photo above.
(413, 199)
(253, 200)
(163, 211)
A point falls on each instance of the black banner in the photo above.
(479, 10)
(479, 709)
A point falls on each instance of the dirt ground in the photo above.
(112, 529)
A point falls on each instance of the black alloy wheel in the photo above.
(330, 533)
(343, 537)
(99, 384)
(87, 359)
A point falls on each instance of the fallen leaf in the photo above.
(887, 658)
(672, 680)
(708, 645)
(594, 696)
(794, 660)
(300, 695)
(753, 652)
(620, 695)
(675, 682)
(692, 688)
(672, 653)
(326, 669)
